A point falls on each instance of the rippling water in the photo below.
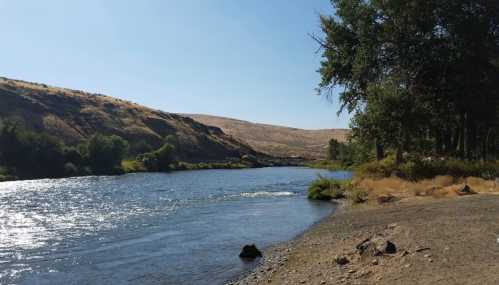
(176, 228)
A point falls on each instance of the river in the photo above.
(184, 227)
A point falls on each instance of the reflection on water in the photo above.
(178, 228)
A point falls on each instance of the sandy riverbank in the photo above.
(439, 241)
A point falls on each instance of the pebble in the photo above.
(392, 226)
(375, 262)
(404, 253)
(427, 255)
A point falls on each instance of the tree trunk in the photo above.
(379, 150)
(398, 157)
(455, 140)
(469, 144)
(485, 145)
(439, 142)
(461, 135)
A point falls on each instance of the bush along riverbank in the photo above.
(29, 155)
(396, 174)
(383, 182)
(326, 189)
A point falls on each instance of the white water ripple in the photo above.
(267, 194)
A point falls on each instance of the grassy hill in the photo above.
(276, 140)
(74, 116)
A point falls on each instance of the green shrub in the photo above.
(4, 175)
(158, 160)
(105, 153)
(375, 169)
(70, 169)
(421, 168)
(133, 166)
(140, 147)
(326, 189)
(30, 155)
(357, 196)
(327, 164)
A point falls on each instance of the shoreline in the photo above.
(439, 241)
(276, 255)
(11, 178)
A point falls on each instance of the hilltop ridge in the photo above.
(275, 140)
(74, 116)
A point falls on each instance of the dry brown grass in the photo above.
(73, 116)
(438, 187)
(277, 140)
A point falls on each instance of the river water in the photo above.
(174, 228)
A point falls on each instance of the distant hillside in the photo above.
(277, 140)
(74, 116)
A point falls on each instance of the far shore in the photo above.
(440, 239)
(129, 168)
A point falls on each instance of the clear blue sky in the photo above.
(246, 59)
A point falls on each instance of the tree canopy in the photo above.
(419, 76)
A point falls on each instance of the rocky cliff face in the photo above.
(74, 116)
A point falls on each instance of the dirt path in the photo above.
(439, 241)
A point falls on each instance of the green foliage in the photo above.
(332, 149)
(357, 196)
(158, 160)
(354, 153)
(326, 189)
(70, 169)
(347, 154)
(133, 166)
(30, 155)
(140, 147)
(27, 155)
(418, 76)
(104, 153)
(326, 164)
(4, 175)
(421, 168)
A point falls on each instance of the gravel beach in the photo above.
(437, 241)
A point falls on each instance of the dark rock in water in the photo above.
(376, 246)
(465, 190)
(341, 260)
(250, 251)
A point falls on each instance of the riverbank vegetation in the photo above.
(327, 189)
(25, 154)
(419, 79)
(414, 77)
(29, 155)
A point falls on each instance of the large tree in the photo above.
(416, 73)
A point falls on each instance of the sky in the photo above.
(247, 59)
